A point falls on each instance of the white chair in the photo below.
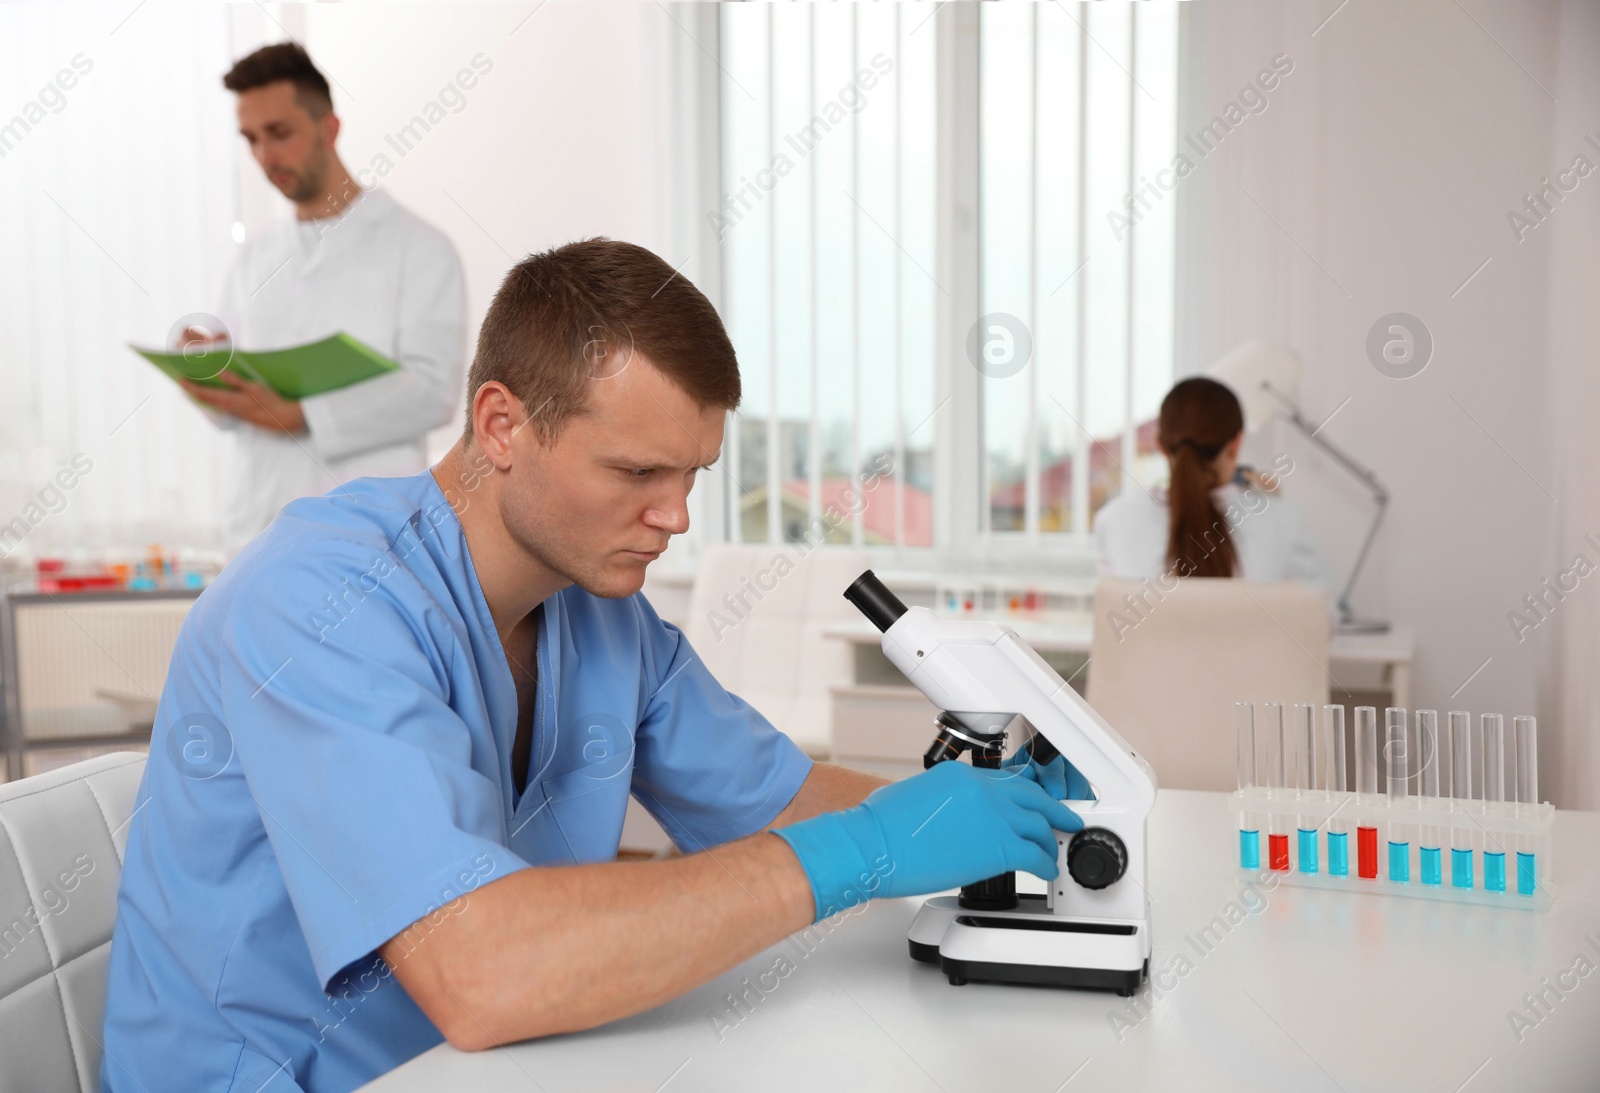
(62, 840)
(1166, 672)
(772, 653)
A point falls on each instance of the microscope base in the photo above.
(1030, 946)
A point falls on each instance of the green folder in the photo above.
(294, 373)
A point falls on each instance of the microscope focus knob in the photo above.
(1096, 858)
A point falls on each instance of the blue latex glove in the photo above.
(948, 826)
(1058, 777)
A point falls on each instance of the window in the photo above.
(96, 256)
(827, 234)
(1077, 111)
(830, 232)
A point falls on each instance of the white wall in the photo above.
(1389, 160)
(1569, 687)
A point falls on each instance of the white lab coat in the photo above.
(382, 275)
(1269, 532)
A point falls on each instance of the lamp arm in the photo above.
(1345, 613)
(1367, 478)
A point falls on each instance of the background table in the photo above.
(881, 723)
(1391, 653)
(1311, 991)
(103, 655)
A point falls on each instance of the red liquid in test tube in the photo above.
(1277, 782)
(1367, 852)
(1366, 788)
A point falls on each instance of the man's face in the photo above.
(602, 502)
(292, 147)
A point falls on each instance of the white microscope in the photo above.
(1093, 927)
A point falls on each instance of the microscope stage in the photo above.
(1030, 945)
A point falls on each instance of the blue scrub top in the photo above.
(331, 763)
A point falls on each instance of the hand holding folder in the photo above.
(296, 373)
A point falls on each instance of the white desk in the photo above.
(882, 724)
(1391, 653)
(1315, 991)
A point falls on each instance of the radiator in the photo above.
(95, 668)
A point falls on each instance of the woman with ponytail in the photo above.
(1210, 520)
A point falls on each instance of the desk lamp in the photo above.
(1266, 377)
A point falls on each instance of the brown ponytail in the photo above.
(1198, 418)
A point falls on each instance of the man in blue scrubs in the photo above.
(398, 736)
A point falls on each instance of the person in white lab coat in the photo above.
(350, 260)
(1209, 520)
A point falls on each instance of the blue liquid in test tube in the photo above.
(1250, 850)
(1338, 854)
(1461, 798)
(1494, 789)
(1433, 753)
(1397, 774)
(1399, 862)
(1494, 871)
(1526, 880)
(1428, 859)
(1249, 824)
(1310, 782)
(1527, 783)
(1338, 837)
(1308, 851)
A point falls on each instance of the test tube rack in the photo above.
(1482, 830)
(1313, 831)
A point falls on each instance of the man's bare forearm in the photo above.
(558, 949)
(828, 788)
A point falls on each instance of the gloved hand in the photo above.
(948, 826)
(1058, 777)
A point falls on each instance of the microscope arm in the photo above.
(981, 675)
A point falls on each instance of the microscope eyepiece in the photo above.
(874, 600)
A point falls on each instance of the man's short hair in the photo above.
(283, 61)
(566, 317)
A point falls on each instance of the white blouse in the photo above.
(1269, 532)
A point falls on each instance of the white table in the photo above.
(1391, 653)
(882, 724)
(1314, 991)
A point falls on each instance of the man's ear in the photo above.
(497, 419)
(330, 128)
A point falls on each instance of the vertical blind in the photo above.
(1078, 113)
(116, 202)
(827, 234)
(828, 227)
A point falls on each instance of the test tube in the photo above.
(1277, 782)
(1397, 777)
(1461, 798)
(1524, 732)
(1310, 781)
(1249, 823)
(1366, 790)
(1427, 752)
(1494, 792)
(1338, 828)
